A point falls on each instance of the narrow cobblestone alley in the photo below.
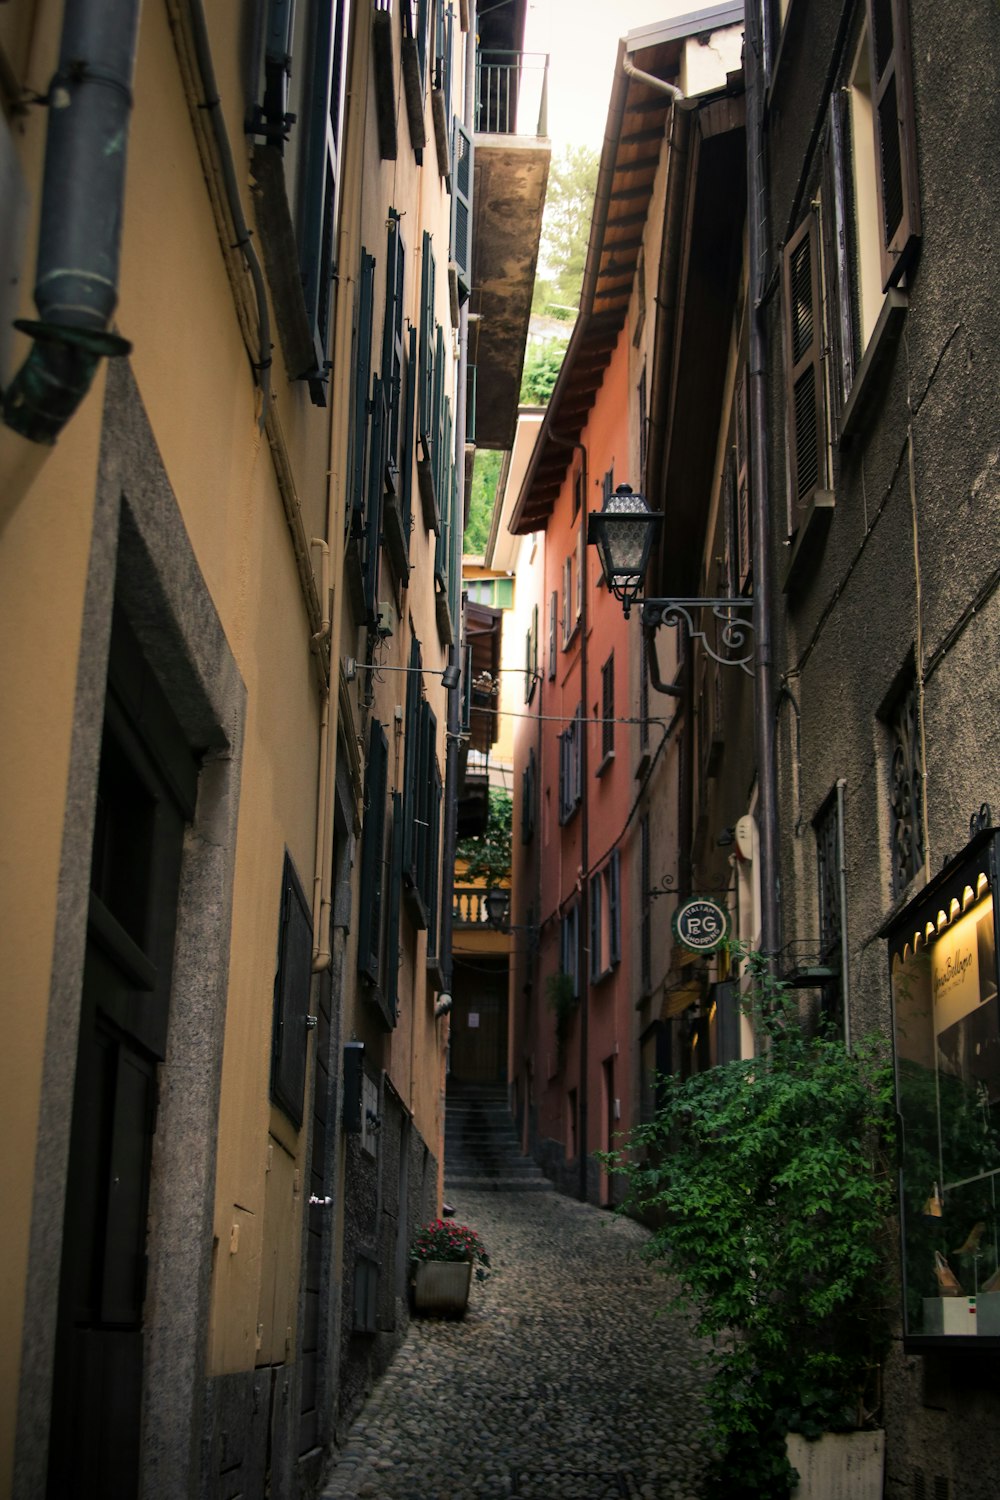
(567, 1377)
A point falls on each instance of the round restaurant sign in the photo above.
(700, 925)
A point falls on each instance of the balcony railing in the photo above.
(468, 907)
(512, 93)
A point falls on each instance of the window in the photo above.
(291, 996)
(553, 627)
(529, 780)
(843, 264)
(571, 767)
(568, 623)
(581, 571)
(497, 592)
(373, 857)
(608, 709)
(569, 947)
(942, 962)
(646, 908)
(829, 830)
(298, 126)
(906, 786)
(531, 657)
(605, 919)
(421, 809)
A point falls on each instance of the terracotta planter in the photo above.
(838, 1466)
(441, 1287)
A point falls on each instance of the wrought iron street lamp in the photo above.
(623, 532)
(497, 903)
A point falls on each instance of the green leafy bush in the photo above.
(769, 1184)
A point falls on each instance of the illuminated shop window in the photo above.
(946, 1019)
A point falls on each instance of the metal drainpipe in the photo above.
(583, 936)
(845, 958)
(79, 244)
(764, 735)
(454, 719)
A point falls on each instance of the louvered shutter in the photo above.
(594, 897)
(895, 136)
(291, 997)
(373, 854)
(614, 909)
(803, 368)
(392, 346)
(411, 764)
(433, 853)
(461, 207)
(409, 437)
(392, 946)
(362, 376)
(322, 123)
(376, 490)
(836, 261)
(427, 277)
(741, 479)
(553, 627)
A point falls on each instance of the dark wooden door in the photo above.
(478, 1035)
(146, 788)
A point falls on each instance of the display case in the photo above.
(946, 1030)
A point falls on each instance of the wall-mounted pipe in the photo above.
(629, 67)
(76, 287)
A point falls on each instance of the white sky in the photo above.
(581, 37)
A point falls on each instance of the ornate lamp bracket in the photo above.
(724, 626)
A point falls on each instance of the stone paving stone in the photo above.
(567, 1378)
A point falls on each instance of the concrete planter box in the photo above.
(838, 1466)
(441, 1287)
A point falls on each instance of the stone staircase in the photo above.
(481, 1148)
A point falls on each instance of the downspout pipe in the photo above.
(764, 730)
(650, 79)
(454, 714)
(79, 245)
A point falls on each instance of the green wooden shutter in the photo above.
(594, 896)
(392, 346)
(803, 369)
(409, 439)
(427, 277)
(836, 254)
(433, 858)
(461, 208)
(373, 505)
(373, 854)
(292, 985)
(895, 135)
(362, 376)
(319, 177)
(392, 944)
(411, 764)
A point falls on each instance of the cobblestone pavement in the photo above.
(566, 1379)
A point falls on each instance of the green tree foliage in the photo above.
(542, 364)
(487, 854)
(485, 473)
(771, 1186)
(562, 254)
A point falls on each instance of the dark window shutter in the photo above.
(895, 136)
(320, 176)
(528, 779)
(741, 477)
(553, 625)
(373, 854)
(596, 957)
(433, 878)
(392, 946)
(362, 376)
(608, 706)
(614, 909)
(392, 345)
(461, 207)
(376, 491)
(411, 764)
(426, 404)
(409, 425)
(803, 368)
(291, 997)
(836, 255)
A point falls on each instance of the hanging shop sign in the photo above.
(701, 925)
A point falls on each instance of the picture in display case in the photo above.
(947, 1041)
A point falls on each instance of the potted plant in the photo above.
(444, 1255)
(769, 1185)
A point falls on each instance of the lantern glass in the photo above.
(496, 906)
(623, 533)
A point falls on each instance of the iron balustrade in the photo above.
(512, 89)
